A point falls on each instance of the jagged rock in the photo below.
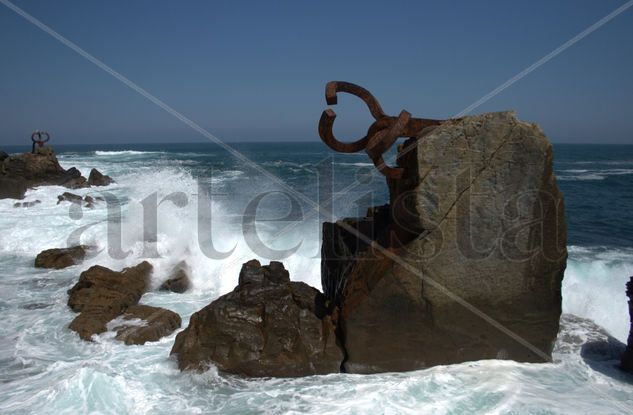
(267, 326)
(96, 178)
(101, 295)
(627, 357)
(18, 172)
(3, 156)
(179, 281)
(476, 235)
(26, 204)
(59, 258)
(141, 323)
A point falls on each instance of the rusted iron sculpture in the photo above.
(37, 138)
(382, 134)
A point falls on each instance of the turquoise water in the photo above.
(45, 368)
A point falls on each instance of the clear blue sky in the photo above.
(253, 71)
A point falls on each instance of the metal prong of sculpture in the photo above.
(37, 138)
(381, 135)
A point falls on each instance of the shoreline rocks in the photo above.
(101, 295)
(19, 172)
(59, 258)
(477, 226)
(267, 326)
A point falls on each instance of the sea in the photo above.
(203, 204)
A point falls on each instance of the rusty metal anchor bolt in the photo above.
(382, 133)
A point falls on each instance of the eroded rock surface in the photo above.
(59, 258)
(142, 323)
(474, 253)
(102, 295)
(267, 326)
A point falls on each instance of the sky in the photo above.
(256, 71)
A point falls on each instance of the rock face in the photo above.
(102, 295)
(96, 178)
(267, 326)
(18, 172)
(155, 323)
(59, 258)
(473, 250)
(627, 357)
(179, 281)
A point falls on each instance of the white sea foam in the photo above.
(124, 153)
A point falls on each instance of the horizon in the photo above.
(256, 73)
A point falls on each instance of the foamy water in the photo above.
(46, 368)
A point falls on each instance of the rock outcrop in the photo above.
(627, 357)
(142, 323)
(102, 295)
(59, 258)
(465, 263)
(96, 178)
(19, 172)
(178, 280)
(267, 326)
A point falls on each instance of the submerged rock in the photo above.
(96, 178)
(474, 250)
(86, 201)
(59, 258)
(627, 356)
(142, 323)
(26, 204)
(178, 281)
(267, 326)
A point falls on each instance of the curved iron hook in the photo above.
(382, 141)
(326, 122)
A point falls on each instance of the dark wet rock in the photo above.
(142, 323)
(267, 326)
(102, 294)
(87, 201)
(96, 178)
(36, 306)
(3, 156)
(26, 204)
(178, 281)
(627, 356)
(59, 258)
(476, 229)
(18, 172)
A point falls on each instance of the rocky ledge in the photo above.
(59, 258)
(267, 326)
(19, 172)
(102, 295)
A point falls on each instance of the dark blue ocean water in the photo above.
(596, 180)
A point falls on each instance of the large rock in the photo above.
(102, 294)
(59, 258)
(96, 178)
(142, 323)
(472, 258)
(267, 326)
(18, 172)
(627, 357)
